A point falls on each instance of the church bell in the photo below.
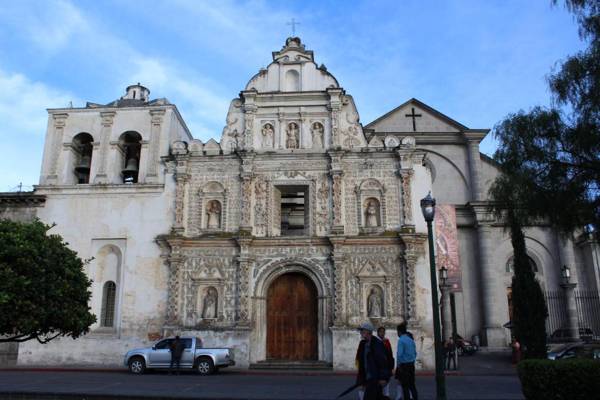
(130, 172)
(84, 164)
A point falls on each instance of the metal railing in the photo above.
(588, 310)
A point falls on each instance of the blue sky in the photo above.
(475, 61)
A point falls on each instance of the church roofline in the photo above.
(424, 106)
(102, 108)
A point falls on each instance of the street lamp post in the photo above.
(428, 208)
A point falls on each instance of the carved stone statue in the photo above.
(267, 136)
(213, 214)
(317, 131)
(371, 214)
(209, 305)
(375, 304)
(293, 136)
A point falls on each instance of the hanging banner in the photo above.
(446, 244)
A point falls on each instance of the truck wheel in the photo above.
(205, 366)
(137, 365)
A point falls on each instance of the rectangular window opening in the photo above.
(294, 210)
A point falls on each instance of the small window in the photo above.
(107, 315)
(187, 343)
(198, 343)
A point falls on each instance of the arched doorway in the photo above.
(292, 318)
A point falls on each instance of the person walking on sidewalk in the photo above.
(406, 356)
(176, 349)
(390, 357)
(373, 366)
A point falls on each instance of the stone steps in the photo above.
(292, 365)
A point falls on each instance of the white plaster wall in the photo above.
(117, 215)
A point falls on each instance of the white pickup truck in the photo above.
(194, 356)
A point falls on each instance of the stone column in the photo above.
(243, 281)
(105, 134)
(474, 137)
(571, 307)
(55, 148)
(152, 158)
(175, 266)
(180, 179)
(492, 291)
(406, 177)
(446, 312)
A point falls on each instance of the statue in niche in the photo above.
(293, 136)
(372, 214)
(213, 214)
(317, 131)
(267, 133)
(375, 304)
(209, 304)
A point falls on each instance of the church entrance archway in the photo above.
(292, 318)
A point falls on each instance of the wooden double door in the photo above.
(292, 318)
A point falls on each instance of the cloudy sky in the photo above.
(476, 61)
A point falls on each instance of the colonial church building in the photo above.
(282, 237)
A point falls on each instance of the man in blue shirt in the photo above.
(405, 358)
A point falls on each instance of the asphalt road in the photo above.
(230, 385)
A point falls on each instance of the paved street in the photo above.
(230, 384)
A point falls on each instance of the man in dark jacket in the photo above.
(176, 348)
(373, 366)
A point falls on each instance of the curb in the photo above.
(255, 372)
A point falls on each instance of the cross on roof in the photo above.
(413, 116)
(293, 23)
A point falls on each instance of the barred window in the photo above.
(107, 315)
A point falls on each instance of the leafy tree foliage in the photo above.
(553, 154)
(550, 169)
(44, 291)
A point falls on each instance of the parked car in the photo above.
(464, 346)
(205, 361)
(576, 350)
(562, 334)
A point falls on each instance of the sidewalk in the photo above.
(479, 364)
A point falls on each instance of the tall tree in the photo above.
(550, 168)
(554, 152)
(44, 292)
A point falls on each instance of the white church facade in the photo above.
(282, 237)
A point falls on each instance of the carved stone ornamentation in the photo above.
(260, 207)
(210, 303)
(268, 134)
(213, 214)
(406, 177)
(318, 133)
(246, 201)
(292, 133)
(337, 199)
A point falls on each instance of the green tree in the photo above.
(549, 159)
(44, 291)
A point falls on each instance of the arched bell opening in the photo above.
(83, 148)
(131, 146)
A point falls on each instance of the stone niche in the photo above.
(371, 206)
(213, 207)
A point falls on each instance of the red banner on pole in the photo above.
(446, 244)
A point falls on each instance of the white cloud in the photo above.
(23, 104)
(51, 26)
